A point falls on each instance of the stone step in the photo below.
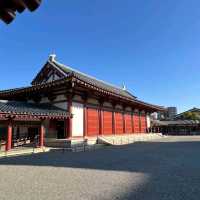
(127, 139)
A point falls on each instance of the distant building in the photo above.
(176, 127)
(192, 114)
(158, 115)
(171, 112)
(168, 114)
(185, 123)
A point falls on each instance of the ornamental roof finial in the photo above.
(52, 57)
(123, 86)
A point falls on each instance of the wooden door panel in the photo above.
(136, 122)
(92, 122)
(119, 123)
(128, 119)
(143, 124)
(107, 123)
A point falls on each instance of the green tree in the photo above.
(192, 116)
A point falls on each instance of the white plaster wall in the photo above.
(77, 121)
(148, 121)
(62, 105)
(60, 98)
(77, 98)
(51, 78)
(107, 104)
(93, 101)
(118, 107)
(136, 110)
(128, 109)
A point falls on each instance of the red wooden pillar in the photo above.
(140, 124)
(147, 128)
(9, 136)
(69, 135)
(101, 101)
(124, 119)
(101, 121)
(42, 133)
(124, 123)
(113, 122)
(113, 118)
(85, 120)
(132, 122)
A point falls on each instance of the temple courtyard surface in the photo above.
(166, 169)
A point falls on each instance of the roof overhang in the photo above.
(23, 110)
(73, 81)
(8, 8)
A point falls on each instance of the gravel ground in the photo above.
(167, 169)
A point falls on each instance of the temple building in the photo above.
(185, 123)
(63, 104)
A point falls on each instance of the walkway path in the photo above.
(168, 169)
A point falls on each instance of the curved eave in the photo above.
(32, 116)
(34, 88)
(74, 79)
(130, 100)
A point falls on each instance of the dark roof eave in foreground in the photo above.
(9, 8)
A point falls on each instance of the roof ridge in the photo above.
(72, 69)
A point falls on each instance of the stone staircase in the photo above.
(57, 143)
(128, 138)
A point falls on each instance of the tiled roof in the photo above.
(101, 84)
(24, 108)
(191, 110)
(68, 74)
(89, 79)
(175, 122)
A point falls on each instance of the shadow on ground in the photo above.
(173, 168)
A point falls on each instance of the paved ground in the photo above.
(168, 169)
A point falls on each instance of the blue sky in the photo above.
(152, 46)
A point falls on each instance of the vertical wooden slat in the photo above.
(119, 123)
(93, 122)
(114, 123)
(107, 123)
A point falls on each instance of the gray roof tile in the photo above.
(92, 80)
(16, 107)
